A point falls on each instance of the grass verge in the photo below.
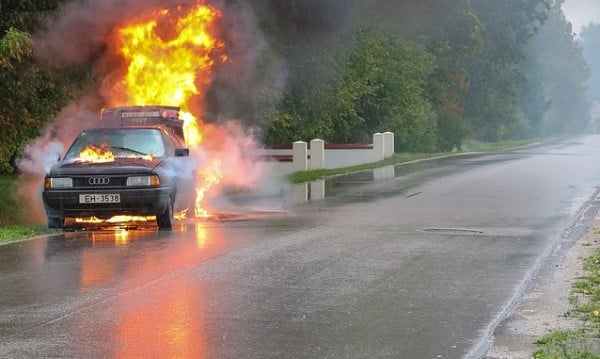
(584, 342)
(477, 146)
(15, 233)
(307, 176)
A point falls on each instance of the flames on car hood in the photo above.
(103, 154)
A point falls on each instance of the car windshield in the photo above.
(121, 142)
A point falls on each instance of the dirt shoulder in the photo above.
(543, 307)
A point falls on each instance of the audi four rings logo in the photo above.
(98, 181)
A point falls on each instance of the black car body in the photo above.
(131, 165)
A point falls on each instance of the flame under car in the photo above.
(118, 171)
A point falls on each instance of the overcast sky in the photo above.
(581, 12)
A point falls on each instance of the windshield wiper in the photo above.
(136, 152)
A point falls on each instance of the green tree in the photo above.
(377, 84)
(15, 45)
(301, 112)
(452, 44)
(494, 72)
(590, 38)
(30, 94)
(553, 98)
(383, 88)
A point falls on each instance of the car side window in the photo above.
(169, 145)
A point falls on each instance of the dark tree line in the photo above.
(493, 70)
(434, 72)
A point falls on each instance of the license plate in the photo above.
(99, 198)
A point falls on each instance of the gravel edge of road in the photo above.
(545, 303)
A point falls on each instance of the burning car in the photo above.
(122, 168)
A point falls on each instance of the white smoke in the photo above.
(43, 152)
(183, 171)
(248, 182)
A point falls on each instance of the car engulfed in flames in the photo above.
(125, 169)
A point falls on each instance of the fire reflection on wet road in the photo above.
(165, 326)
(114, 293)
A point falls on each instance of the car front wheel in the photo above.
(165, 219)
(55, 222)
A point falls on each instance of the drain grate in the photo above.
(452, 231)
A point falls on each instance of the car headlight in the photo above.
(58, 182)
(138, 181)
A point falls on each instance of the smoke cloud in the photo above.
(41, 154)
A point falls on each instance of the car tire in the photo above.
(55, 222)
(165, 219)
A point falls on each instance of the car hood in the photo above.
(118, 166)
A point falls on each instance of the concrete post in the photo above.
(317, 155)
(300, 193)
(300, 156)
(378, 147)
(388, 144)
(386, 172)
(317, 190)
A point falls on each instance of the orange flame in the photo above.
(102, 154)
(191, 131)
(96, 155)
(211, 175)
(116, 219)
(169, 58)
(168, 71)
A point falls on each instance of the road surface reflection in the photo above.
(144, 325)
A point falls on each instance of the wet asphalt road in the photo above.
(422, 264)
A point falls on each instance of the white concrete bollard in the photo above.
(386, 172)
(388, 144)
(300, 156)
(317, 154)
(317, 190)
(300, 193)
(378, 149)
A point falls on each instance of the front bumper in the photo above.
(134, 202)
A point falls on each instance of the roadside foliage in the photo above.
(31, 93)
(581, 342)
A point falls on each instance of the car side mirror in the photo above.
(182, 152)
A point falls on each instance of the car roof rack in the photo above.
(141, 116)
